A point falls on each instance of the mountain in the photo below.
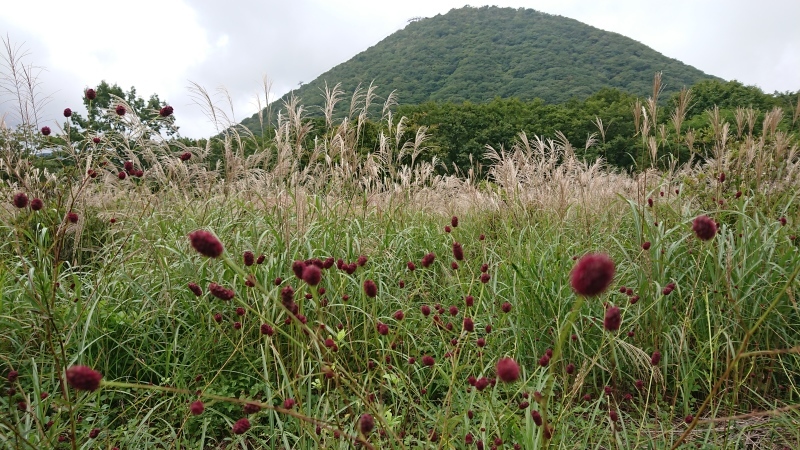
(477, 54)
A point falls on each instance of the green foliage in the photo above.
(477, 54)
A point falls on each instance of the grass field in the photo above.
(385, 298)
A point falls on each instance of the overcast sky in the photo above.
(159, 46)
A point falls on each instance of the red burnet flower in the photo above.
(399, 314)
(382, 328)
(485, 277)
(447, 229)
(196, 289)
(646, 245)
(453, 310)
(411, 266)
(458, 251)
(782, 220)
(481, 342)
(120, 110)
(267, 330)
(428, 360)
(260, 259)
(469, 300)
(426, 310)
(312, 275)
(592, 274)
(83, 378)
(251, 408)
(90, 94)
(237, 325)
(688, 419)
(704, 228)
(721, 177)
(94, 433)
(288, 403)
(481, 383)
(613, 319)
(613, 416)
(298, 267)
(240, 311)
(96, 140)
(249, 258)
(570, 368)
(67, 112)
(428, 259)
(454, 221)
(166, 111)
(241, 426)
(37, 204)
(121, 175)
(72, 217)
(220, 292)
(185, 156)
(656, 358)
(206, 243)
(20, 200)
(537, 418)
(469, 324)
(370, 288)
(218, 317)
(361, 261)
(196, 408)
(507, 370)
(366, 423)
(12, 376)
(46, 131)
(506, 307)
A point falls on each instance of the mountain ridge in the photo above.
(478, 53)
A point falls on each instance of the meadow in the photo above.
(298, 296)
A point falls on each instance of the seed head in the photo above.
(120, 110)
(454, 221)
(83, 378)
(20, 200)
(613, 319)
(382, 328)
(241, 426)
(90, 94)
(428, 259)
(267, 330)
(469, 324)
(218, 317)
(206, 243)
(366, 423)
(481, 342)
(312, 275)
(196, 408)
(249, 258)
(506, 307)
(72, 217)
(67, 112)
(469, 300)
(426, 310)
(411, 266)
(592, 274)
(121, 175)
(507, 370)
(37, 204)
(458, 251)
(428, 360)
(370, 288)
(166, 111)
(656, 358)
(646, 245)
(220, 292)
(197, 290)
(399, 315)
(537, 418)
(688, 419)
(704, 228)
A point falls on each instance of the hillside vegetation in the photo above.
(477, 54)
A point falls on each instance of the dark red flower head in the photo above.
(704, 228)
(249, 258)
(592, 274)
(241, 426)
(426, 310)
(90, 94)
(197, 290)
(166, 111)
(366, 423)
(656, 358)
(46, 131)
(251, 408)
(312, 275)
(428, 259)
(220, 292)
(267, 330)
(454, 221)
(361, 261)
(507, 370)
(383, 329)
(72, 217)
(613, 319)
(20, 200)
(83, 378)
(646, 245)
(121, 175)
(370, 288)
(428, 360)
(96, 140)
(12, 376)
(506, 307)
(67, 112)
(120, 109)
(206, 243)
(196, 408)
(469, 324)
(185, 156)
(458, 251)
(411, 266)
(37, 204)
(298, 267)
